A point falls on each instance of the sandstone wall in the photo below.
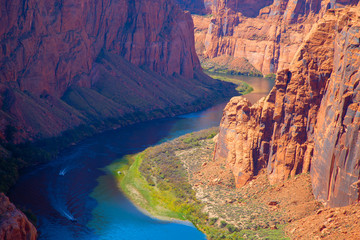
(267, 33)
(309, 119)
(49, 45)
(335, 167)
(13, 223)
(66, 63)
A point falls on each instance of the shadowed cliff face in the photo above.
(193, 6)
(266, 33)
(65, 63)
(13, 223)
(49, 45)
(310, 119)
(248, 8)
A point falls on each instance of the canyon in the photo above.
(310, 119)
(64, 64)
(264, 35)
(99, 64)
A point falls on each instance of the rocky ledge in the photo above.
(13, 223)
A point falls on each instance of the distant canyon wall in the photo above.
(267, 33)
(310, 121)
(66, 63)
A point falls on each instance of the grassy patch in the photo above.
(242, 87)
(157, 181)
(226, 64)
(270, 76)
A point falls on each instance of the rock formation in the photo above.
(335, 167)
(68, 63)
(194, 6)
(266, 33)
(310, 119)
(13, 223)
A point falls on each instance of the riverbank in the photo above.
(15, 158)
(168, 181)
(156, 181)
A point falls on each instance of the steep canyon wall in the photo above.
(66, 63)
(266, 33)
(310, 119)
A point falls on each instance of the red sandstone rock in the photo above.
(13, 223)
(335, 167)
(62, 63)
(310, 118)
(47, 46)
(267, 33)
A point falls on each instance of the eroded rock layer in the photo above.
(266, 33)
(68, 63)
(13, 223)
(310, 119)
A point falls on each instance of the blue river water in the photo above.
(74, 197)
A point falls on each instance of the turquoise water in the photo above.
(75, 198)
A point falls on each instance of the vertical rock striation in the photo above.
(49, 45)
(266, 33)
(335, 168)
(309, 119)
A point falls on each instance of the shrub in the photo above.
(223, 224)
(231, 228)
(212, 221)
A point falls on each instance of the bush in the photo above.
(223, 224)
(232, 228)
(212, 221)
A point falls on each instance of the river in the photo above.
(75, 197)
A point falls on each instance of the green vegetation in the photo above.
(157, 181)
(242, 87)
(15, 157)
(270, 76)
(230, 65)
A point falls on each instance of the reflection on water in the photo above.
(75, 199)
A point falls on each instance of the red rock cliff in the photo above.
(266, 33)
(335, 166)
(310, 119)
(66, 63)
(13, 223)
(49, 45)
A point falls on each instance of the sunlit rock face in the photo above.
(310, 120)
(13, 223)
(266, 33)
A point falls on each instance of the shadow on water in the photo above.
(74, 199)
